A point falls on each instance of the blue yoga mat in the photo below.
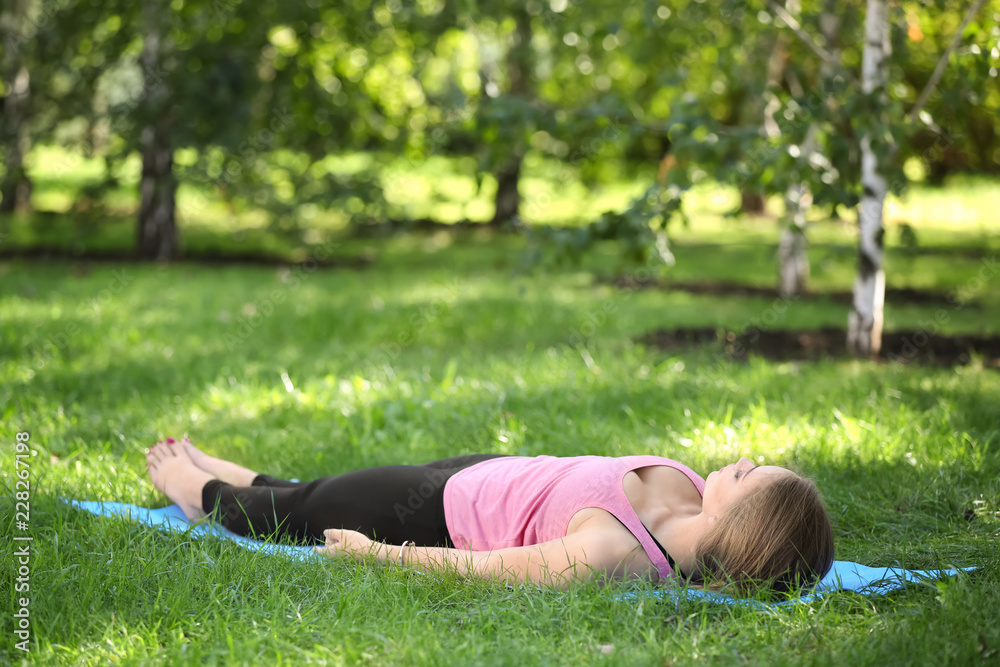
(844, 576)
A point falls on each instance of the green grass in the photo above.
(444, 346)
(955, 230)
(440, 350)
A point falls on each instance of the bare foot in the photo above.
(175, 474)
(227, 471)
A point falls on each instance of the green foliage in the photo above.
(289, 187)
(604, 84)
(639, 230)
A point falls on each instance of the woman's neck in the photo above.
(680, 536)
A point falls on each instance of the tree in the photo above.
(793, 259)
(959, 127)
(519, 65)
(864, 327)
(157, 237)
(263, 93)
(15, 191)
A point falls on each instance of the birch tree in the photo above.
(793, 258)
(864, 327)
(793, 263)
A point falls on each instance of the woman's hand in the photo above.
(340, 542)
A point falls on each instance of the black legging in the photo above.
(389, 503)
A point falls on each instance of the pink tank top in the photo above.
(519, 500)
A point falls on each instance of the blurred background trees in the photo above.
(293, 111)
(15, 189)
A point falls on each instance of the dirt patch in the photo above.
(892, 294)
(830, 342)
(208, 258)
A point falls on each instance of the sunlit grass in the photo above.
(445, 189)
(487, 363)
(446, 346)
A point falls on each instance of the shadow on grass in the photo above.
(204, 257)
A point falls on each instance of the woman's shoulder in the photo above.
(606, 530)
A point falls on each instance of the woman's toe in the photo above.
(160, 453)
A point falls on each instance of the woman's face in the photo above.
(728, 485)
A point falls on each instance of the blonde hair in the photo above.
(778, 537)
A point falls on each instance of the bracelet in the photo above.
(399, 557)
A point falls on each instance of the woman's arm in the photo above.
(581, 556)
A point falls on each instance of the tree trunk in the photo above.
(157, 238)
(864, 327)
(16, 187)
(751, 203)
(508, 199)
(793, 258)
(157, 222)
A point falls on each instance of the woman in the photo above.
(540, 519)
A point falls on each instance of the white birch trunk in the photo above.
(864, 327)
(157, 234)
(793, 257)
(16, 186)
(793, 260)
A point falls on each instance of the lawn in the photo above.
(443, 346)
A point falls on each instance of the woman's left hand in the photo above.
(340, 542)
